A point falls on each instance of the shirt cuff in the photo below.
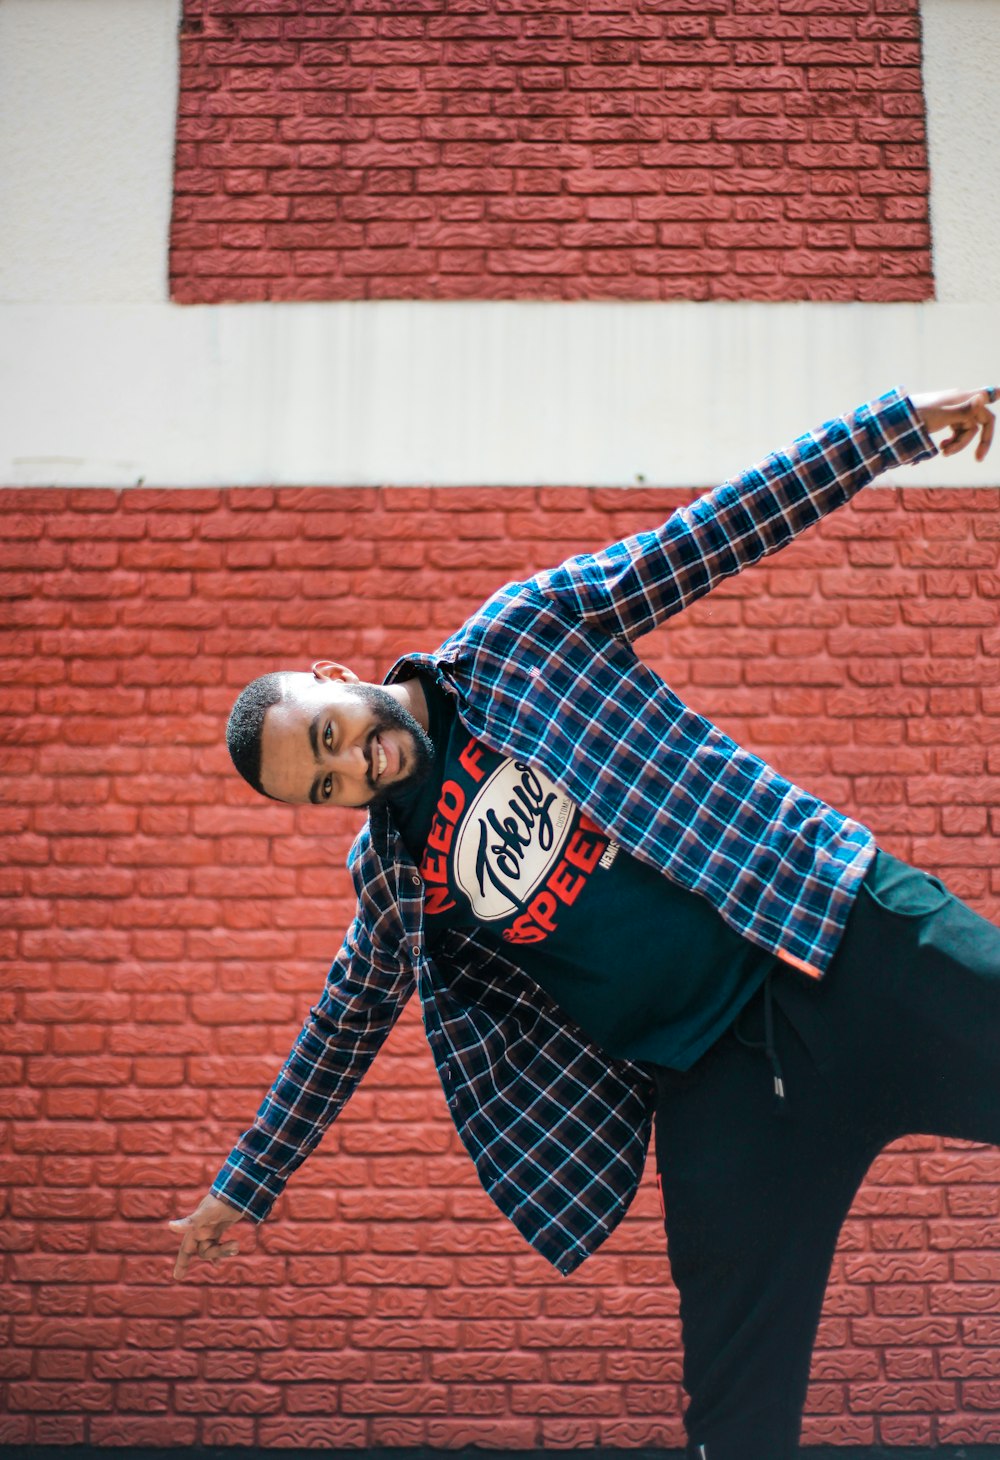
(248, 1186)
(904, 437)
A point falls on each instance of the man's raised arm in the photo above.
(633, 585)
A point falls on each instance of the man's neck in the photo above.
(410, 693)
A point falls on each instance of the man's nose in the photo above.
(350, 761)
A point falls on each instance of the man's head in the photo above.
(327, 738)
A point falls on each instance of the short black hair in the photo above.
(246, 721)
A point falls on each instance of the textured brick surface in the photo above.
(164, 931)
(684, 149)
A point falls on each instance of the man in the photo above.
(600, 898)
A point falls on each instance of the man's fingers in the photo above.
(189, 1247)
(965, 419)
(206, 1248)
(220, 1250)
(958, 440)
(986, 439)
(214, 1250)
(203, 1231)
(200, 1239)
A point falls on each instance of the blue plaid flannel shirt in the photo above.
(545, 672)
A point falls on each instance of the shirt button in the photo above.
(415, 950)
(415, 880)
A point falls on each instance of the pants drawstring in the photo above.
(768, 1046)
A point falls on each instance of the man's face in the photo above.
(334, 741)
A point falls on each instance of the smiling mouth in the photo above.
(378, 759)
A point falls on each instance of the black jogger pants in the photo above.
(902, 1036)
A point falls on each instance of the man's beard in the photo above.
(391, 715)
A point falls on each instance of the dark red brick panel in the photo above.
(164, 931)
(688, 149)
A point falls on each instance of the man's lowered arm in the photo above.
(364, 994)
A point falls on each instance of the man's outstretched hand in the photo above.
(202, 1232)
(966, 412)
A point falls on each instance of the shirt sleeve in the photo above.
(361, 1001)
(633, 585)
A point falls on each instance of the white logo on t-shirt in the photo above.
(511, 837)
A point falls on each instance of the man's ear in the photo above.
(329, 669)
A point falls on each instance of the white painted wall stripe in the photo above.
(398, 392)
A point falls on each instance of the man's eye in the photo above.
(327, 788)
(328, 736)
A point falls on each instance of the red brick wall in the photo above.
(165, 930)
(681, 149)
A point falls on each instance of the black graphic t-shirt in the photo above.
(649, 970)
